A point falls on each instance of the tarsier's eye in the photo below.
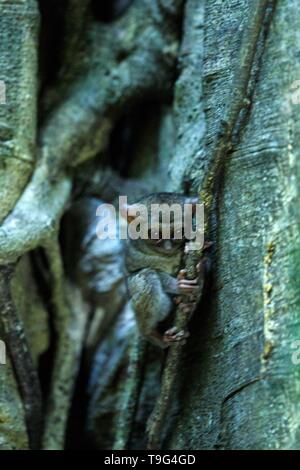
(169, 245)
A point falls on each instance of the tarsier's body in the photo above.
(155, 279)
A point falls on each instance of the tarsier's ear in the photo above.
(129, 212)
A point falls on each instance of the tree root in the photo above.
(130, 393)
(70, 327)
(25, 369)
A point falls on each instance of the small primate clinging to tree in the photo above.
(154, 276)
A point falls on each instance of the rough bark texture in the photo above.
(243, 391)
(19, 23)
(195, 96)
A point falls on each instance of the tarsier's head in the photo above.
(159, 220)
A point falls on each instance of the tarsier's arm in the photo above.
(153, 295)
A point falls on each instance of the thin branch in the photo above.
(170, 373)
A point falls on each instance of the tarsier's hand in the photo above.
(186, 286)
(189, 292)
(173, 335)
(188, 289)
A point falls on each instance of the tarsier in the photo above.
(155, 279)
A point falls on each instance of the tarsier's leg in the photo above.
(171, 286)
(150, 302)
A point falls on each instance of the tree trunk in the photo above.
(128, 97)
